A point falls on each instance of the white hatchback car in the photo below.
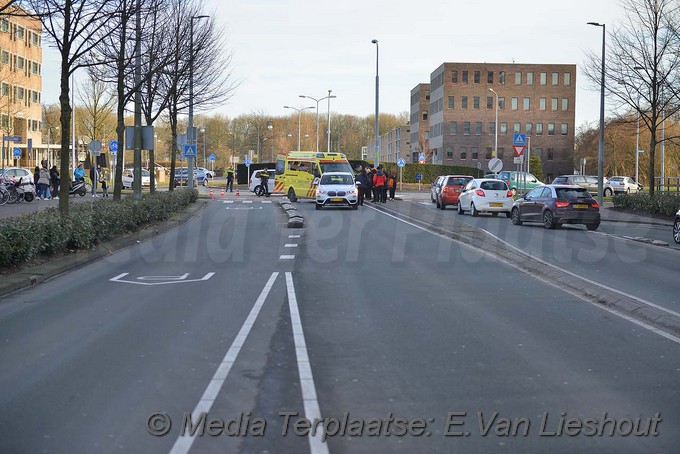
(617, 185)
(127, 178)
(485, 195)
(16, 173)
(336, 189)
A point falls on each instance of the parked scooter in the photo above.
(78, 187)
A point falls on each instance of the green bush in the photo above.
(663, 203)
(87, 224)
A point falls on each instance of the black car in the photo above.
(555, 204)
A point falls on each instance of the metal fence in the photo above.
(671, 184)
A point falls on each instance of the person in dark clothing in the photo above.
(55, 179)
(379, 183)
(230, 179)
(392, 184)
(264, 181)
(362, 186)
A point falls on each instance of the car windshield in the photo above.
(573, 193)
(337, 179)
(460, 181)
(494, 186)
(338, 166)
(591, 180)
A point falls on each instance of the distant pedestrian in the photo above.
(55, 180)
(79, 173)
(264, 181)
(392, 184)
(362, 185)
(94, 176)
(105, 185)
(230, 179)
(379, 183)
(44, 182)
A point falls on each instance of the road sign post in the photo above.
(519, 142)
(401, 162)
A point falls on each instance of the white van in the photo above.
(255, 180)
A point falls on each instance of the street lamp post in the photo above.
(328, 132)
(317, 112)
(377, 100)
(191, 140)
(299, 111)
(203, 132)
(600, 163)
(495, 145)
(257, 127)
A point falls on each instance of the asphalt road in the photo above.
(361, 314)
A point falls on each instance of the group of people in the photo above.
(46, 182)
(96, 176)
(375, 182)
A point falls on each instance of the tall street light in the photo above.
(600, 163)
(257, 127)
(299, 111)
(637, 134)
(191, 140)
(328, 133)
(317, 112)
(376, 157)
(495, 146)
(203, 132)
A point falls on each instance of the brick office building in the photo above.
(419, 123)
(535, 99)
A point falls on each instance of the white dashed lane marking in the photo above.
(286, 257)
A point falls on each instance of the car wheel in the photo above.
(291, 195)
(548, 219)
(259, 190)
(515, 216)
(494, 213)
(355, 206)
(473, 209)
(676, 231)
(607, 192)
(592, 226)
(29, 197)
(628, 191)
(318, 206)
(432, 199)
(438, 204)
(508, 214)
(442, 205)
(460, 209)
(205, 182)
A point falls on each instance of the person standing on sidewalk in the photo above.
(55, 179)
(362, 185)
(230, 180)
(44, 182)
(379, 182)
(392, 184)
(94, 176)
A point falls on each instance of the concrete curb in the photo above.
(54, 266)
(295, 219)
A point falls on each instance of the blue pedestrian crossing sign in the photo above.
(189, 151)
(401, 162)
(519, 139)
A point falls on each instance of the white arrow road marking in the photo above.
(173, 279)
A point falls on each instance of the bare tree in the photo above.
(642, 69)
(99, 104)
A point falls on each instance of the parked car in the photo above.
(201, 176)
(255, 179)
(336, 189)
(16, 173)
(676, 228)
(590, 182)
(557, 204)
(485, 195)
(451, 187)
(616, 185)
(182, 177)
(516, 181)
(436, 186)
(128, 178)
(208, 173)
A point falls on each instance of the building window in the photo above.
(541, 104)
(500, 152)
(453, 128)
(19, 33)
(427, 135)
(4, 57)
(35, 39)
(564, 129)
(478, 128)
(21, 62)
(20, 93)
(451, 102)
(5, 89)
(526, 103)
(475, 153)
(550, 154)
(424, 115)
(489, 77)
(476, 77)
(565, 104)
(504, 128)
(553, 104)
(454, 77)
(528, 128)
(463, 153)
(492, 128)
(465, 77)
(449, 153)
(539, 129)
(538, 152)
(501, 77)
(4, 25)
(466, 128)
(517, 127)
(555, 78)
(475, 102)
(544, 78)
(489, 102)
(463, 102)
(551, 129)
(513, 104)
(501, 103)
(567, 78)
(530, 78)
(518, 78)
(489, 153)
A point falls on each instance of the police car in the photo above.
(255, 179)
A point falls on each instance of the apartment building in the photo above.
(419, 123)
(392, 145)
(535, 99)
(20, 86)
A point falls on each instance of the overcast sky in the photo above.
(285, 48)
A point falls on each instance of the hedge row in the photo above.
(87, 224)
(663, 203)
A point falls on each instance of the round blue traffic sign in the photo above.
(401, 162)
(212, 156)
(247, 162)
(17, 152)
(113, 146)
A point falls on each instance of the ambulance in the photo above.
(298, 172)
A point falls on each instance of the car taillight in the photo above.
(509, 194)
(250, 181)
(595, 205)
(561, 204)
(480, 193)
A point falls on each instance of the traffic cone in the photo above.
(237, 194)
(222, 193)
(211, 193)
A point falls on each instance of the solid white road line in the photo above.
(183, 443)
(311, 404)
